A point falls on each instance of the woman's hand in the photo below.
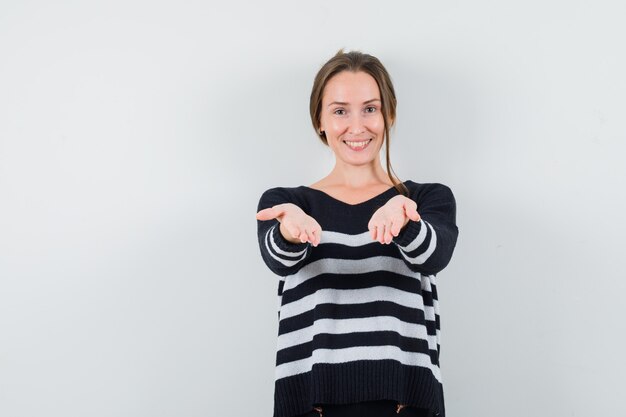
(391, 218)
(295, 225)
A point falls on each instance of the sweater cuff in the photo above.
(408, 233)
(284, 244)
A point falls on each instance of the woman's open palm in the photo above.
(294, 221)
(388, 220)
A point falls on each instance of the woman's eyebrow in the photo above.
(341, 103)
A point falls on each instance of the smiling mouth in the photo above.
(357, 145)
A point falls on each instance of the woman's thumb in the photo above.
(412, 213)
(267, 214)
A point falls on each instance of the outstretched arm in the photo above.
(427, 245)
(280, 255)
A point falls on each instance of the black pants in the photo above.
(379, 408)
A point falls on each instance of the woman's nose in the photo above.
(356, 125)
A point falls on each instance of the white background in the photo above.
(136, 138)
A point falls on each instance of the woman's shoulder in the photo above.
(282, 190)
(427, 185)
(281, 194)
(429, 189)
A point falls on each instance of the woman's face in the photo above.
(351, 112)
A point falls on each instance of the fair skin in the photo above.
(351, 111)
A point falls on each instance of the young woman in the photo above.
(357, 254)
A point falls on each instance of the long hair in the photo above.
(356, 61)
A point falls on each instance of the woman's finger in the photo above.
(266, 214)
(316, 240)
(372, 230)
(410, 208)
(381, 233)
(310, 236)
(395, 227)
(304, 237)
(376, 232)
(388, 236)
(414, 215)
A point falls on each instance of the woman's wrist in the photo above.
(287, 235)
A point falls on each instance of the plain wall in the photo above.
(136, 138)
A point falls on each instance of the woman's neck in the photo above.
(357, 176)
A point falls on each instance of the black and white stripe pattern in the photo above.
(386, 297)
(352, 306)
(284, 257)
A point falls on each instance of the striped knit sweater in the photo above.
(359, 320)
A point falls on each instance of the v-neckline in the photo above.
(369, 200)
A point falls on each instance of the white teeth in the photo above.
(357, 144)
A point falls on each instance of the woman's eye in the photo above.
(371, 107)
(339, 110)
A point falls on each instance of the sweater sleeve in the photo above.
(280, 255)
(427, 245)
